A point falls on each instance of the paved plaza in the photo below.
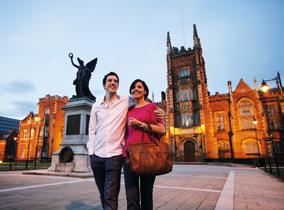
(187, 187)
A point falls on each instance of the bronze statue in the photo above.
(83, 77)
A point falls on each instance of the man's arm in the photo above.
(160, 113)
(131, 102)
(92, 131)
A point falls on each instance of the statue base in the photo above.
(73, 155)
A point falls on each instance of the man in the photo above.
(106, 135)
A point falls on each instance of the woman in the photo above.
(141, 118)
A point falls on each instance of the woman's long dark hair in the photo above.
(132, 86)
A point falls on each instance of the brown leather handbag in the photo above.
(153, 158)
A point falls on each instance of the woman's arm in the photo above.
(158, 128)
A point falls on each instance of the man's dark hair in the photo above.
(132, 86)
(109, 74)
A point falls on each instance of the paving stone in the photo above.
(187, 187)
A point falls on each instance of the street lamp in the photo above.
(265, 86)
(16, 148)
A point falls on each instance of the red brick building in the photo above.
(41, 134)
(237, 124)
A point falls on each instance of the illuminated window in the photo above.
(187, 120)
(32, 132)
(224, 149)
(25, 134)
(219, 119)
(46, 111)
(246, 114)
(250, 147)
(184, 94)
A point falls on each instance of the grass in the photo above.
(16, 166)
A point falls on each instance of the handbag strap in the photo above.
(151, 132)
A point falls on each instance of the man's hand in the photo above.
(160, 113)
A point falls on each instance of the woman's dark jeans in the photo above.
(132, 187)
(107, 173)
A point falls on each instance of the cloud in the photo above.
(19, 109)
(19, 87)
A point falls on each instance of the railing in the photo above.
(274, 162)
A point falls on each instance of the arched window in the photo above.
(219, 121)
(184, 94)
(246, 114)
(187, 120)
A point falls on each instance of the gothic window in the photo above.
(186, 120)
(272, 116)
(177, 96)
(177, 107)
(224, 149)
(178, 119)
(196, 118)
(250, 147)
(46, 111)
(25, 134)
(246, 114)
(273, 124)
(219, 121)
(190, 92)
(46, 131)
(270, 110)
(184, 73)
(32, 133)
(184, 94)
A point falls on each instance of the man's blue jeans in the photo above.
(107, 173)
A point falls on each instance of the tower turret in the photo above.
(196, 39)
(169, 45)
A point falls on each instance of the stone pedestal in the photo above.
(73, 155)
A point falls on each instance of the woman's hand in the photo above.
(136, 123)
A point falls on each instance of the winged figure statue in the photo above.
(83, 77)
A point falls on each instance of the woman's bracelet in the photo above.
(145, 126)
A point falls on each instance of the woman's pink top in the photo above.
(144, 114)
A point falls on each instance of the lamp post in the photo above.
(38, 133)
(265, 86)
(16, 147)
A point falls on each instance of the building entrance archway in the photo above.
(189, 151)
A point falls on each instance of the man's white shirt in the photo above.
(107, 126)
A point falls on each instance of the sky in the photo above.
(240, 39)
